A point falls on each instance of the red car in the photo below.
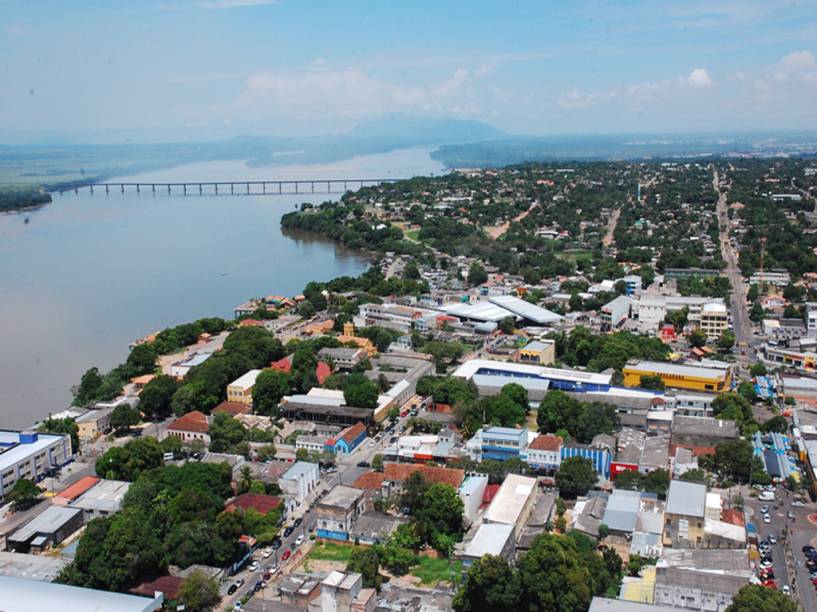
(287, 554)
(770, 584)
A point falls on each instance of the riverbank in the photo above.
(22, 198)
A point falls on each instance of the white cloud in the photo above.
(698, 79)
(799, 61)
(352, 93)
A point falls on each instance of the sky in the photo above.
(212, 68)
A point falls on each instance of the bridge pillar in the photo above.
(200, 188)
(76, 189)
(345, 189)
(216, 186)
(296, 186)
(264, 187)
(232, 188)
(248, 189)
(137, 188)
(313, 186)
(185, 189)
(153, 188)
(279, 187)
(92, 189)
(106, 189)
(122, 188)
(328, 186)
(168, 189)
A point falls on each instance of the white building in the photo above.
(181, 368)
(471, 492)
(29, 455)
(652, 310)
(513, 503)
(614, 312)
(300, 479)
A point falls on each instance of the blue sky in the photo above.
(298, 67)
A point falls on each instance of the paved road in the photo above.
(740, 316)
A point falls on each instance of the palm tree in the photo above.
(245, 481)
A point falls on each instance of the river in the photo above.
(87, 274)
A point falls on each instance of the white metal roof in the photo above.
(246, 381)
(686, 498)
(490, 539)
(481, 311)
(23, 595)
(472, 366)
(526, 310)
(509, 501)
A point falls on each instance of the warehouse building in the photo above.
(533, 377)
(46, 529)
(22, 595)
(694, 378)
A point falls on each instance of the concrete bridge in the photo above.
(276, 187)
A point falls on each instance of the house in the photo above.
(400, 472)
(232, 408)
(102, 499)
(614, 312)
(240, 390)
(348, 440)
(169, 586)
(696, 590)
(545, 453)
(337, 511)
(471, 493)
(300, 479)
(344, 592)
(588, 513)
(513, 502)
(539, 352)
(684, 515)
(348, 337)
(700, 434)
(500, 443)
(495, 539)
(191, 427)
(342, 358)
(93, 423)
(180, 369)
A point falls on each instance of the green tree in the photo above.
(128, 462)
(88, 387)
(554, 576)
(733, 406)
(62, 426)
(735, 459)
(650, 381)
(757, 598)
(366, 562)
(726, 341)
(199, 592)
(269, 388)
(361, 395)
(125, 416)
(556, 411)
(142, 359)
(154, 401)
(491, 584)
(507, 325)
(226, 433)
(758, 369)
(477, 274)
(777, 423)
(440, 512)
(697, 338)
(576, 476)
(377, 462)
(23, 492)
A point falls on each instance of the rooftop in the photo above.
(23, 595)
(686, 498)
(663, 367)
(510, 500)
(257, 501)
(195, 422)
(106, 496)
(246, 381)
(300, 468)
(78, 488)
(48, 522)
(232, 408)
(342, 497)
(490, 366)
(622, 510)
(546, 442)
(526, 310)
(490, 539)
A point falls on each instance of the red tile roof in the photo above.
(257, 501)
(322, 372)
(282, 365)
(232, 408)
(170, 586)
(733, 516)
(546, 442)
(195, 422)
(353, 432)
(401, 471)
(490, 492)
(73, 491)
(250, 323)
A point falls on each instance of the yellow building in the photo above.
(539, 352)
(714, 320)
(694, 378)
(348, 335)
(240, 390)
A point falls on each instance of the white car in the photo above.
(786, 590)
(267, 552)
(767, 519)
(798, 504)
(764, 509)
(299, 540)
(772, 539)
(765, 565)
(274, 569)
(254, 566)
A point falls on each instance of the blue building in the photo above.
(600, 457)
(349, 439)
(500, 443)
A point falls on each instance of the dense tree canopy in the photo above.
(576, 476)
(128, 462)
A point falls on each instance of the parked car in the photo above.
(288, 531)
(299, 540)
(287, 554)
(254, 566)
(363, 464)
(267, 552)
(798, 503)
(808, 547)
(297, 522)
(764, 509)
(767, 519)
(258, 586)
(232, 589)
(276, 543)
(772, 539)
(786, 590)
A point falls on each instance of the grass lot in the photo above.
(330, 551)
(413, 234)
(431, 571)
